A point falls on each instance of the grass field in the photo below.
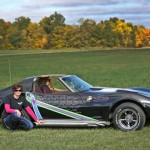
(112, 68)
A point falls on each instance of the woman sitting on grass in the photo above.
(13, 104)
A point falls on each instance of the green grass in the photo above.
(101, 68)
(75, 139)
(121, 68)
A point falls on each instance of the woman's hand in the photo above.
(39, 121)
(18, 112)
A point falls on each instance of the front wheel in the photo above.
(129, 116)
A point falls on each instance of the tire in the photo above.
(128, 117)
(2, 116)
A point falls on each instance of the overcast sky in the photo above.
(135, 11)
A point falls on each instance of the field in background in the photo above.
(116, 68)
(112, 68)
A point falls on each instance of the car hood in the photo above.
(142, 91)
(107, 90)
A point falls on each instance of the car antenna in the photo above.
(9, 70)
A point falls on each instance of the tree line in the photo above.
(52, 32)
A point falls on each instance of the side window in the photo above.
(36, 86)
(54, 85)
(57, 84)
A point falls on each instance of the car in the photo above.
(76, 103)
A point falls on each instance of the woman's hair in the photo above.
(17, 86)
(44, 80)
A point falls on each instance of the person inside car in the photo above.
(46, 86)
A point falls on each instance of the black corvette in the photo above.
(77, 103)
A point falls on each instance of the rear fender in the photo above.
(1, 106)
(1, 109)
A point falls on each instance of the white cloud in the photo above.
(73, 10)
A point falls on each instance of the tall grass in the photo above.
(119, 68)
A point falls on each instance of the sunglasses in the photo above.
(18, 90)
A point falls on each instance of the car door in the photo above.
(94, 106)
(60, 105)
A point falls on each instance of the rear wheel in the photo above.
(129, 116)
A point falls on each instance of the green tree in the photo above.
(16, 39)
(87, 26)
(109, 36)
(2, 32)
(21, 23)
(51, 22)
(73, 36)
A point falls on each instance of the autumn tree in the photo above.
(124, 30)
(147, 34)
(52, 32)
(140, 37)
(35, 36)
(4, 26)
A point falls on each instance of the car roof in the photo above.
(48, 76)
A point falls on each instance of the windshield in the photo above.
(75, 84)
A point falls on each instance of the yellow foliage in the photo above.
(140, 36)
(1, 37)
(123, 28)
